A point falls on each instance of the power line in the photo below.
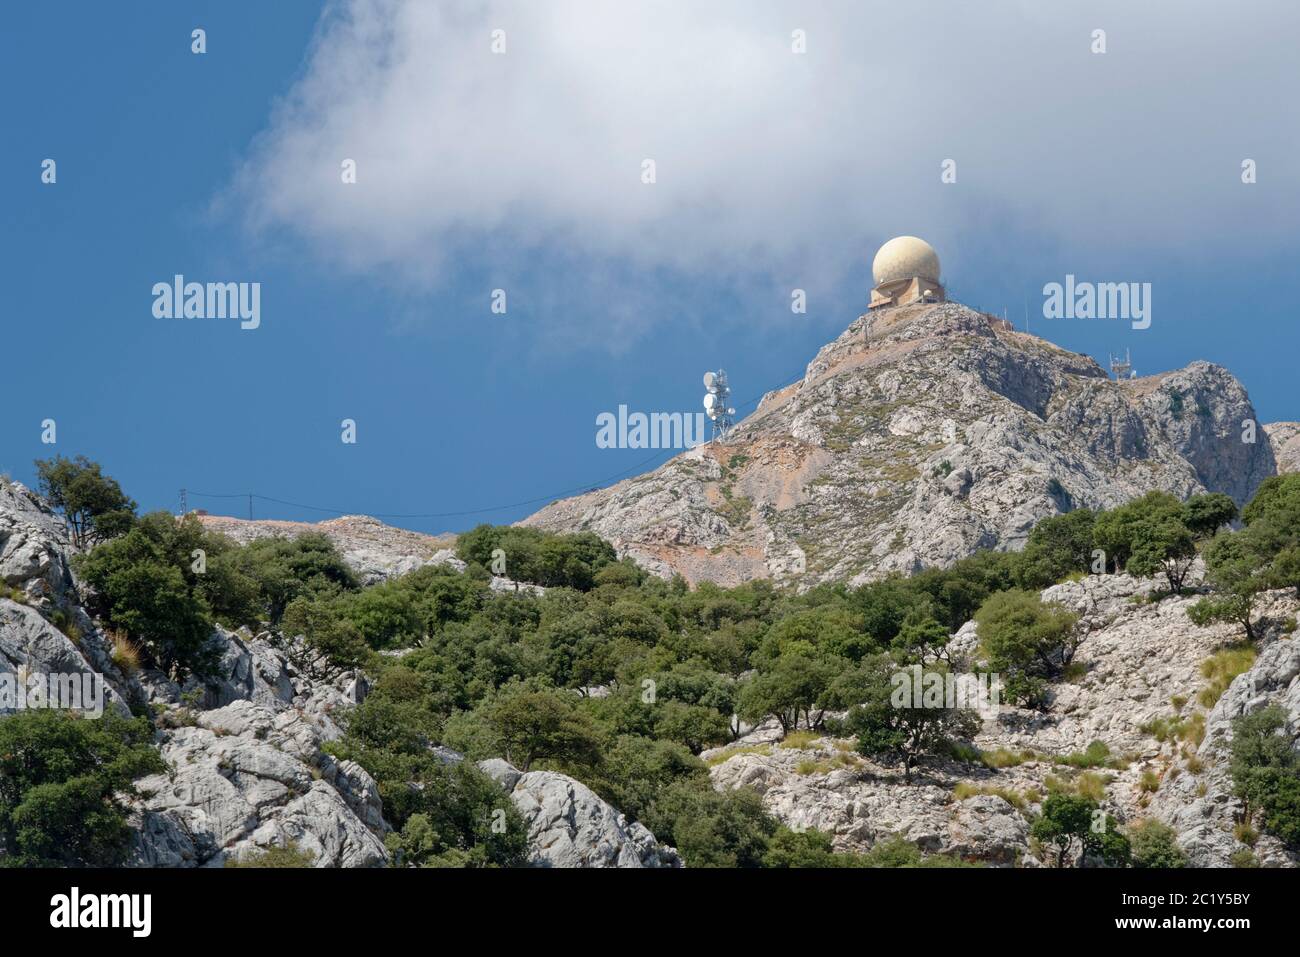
(586, 487)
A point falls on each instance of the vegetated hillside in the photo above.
(267, 707)
(921, 435)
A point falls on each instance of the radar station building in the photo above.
(906, 270)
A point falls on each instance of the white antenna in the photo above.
(1122, 368)
(715, 404)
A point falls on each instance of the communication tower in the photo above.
(717, 404)
(1122, 368)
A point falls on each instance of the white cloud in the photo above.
(772, 164)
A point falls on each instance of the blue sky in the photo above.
(521, 172)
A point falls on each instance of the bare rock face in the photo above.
(244, 779)
(34, 546)
(920, 435)
(373, 550)
(1284, 437)
(570, 826)
(31, 646)
(1203, 809)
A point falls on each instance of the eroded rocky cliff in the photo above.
(920, 435)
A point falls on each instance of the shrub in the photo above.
(965, 789)
(1220, 669)
(1096, 755)
(60, 781)
(1244, 858)
(1155, 845)
(1265, 771)
(277, 857)
(124, 653)
(711, 828)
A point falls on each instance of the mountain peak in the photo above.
(921, 434)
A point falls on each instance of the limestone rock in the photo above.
(373, 550)
(570, 826)
(244, 779)
(31, 646)
(34, 545)
(920, 435)
(1284, 439)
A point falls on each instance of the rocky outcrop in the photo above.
(1203, 808)
(919, 436)
(373, 550)
(1135, 689)
(824, 785)
(569, 826)
(1284, 439)
(34, 546)
(266, 669)
(245, 778)
(31, 646)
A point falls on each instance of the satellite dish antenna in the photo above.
(710, 381)
(709, 401)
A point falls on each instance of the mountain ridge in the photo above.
(920, 435)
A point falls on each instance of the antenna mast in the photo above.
(716, 404)
(1122, 368)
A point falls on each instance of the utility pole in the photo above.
(184, 505)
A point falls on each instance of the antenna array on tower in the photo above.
(717, 404)
(1122, 368)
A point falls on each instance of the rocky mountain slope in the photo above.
(1140, 677)
(1285, 440)
(246, 770)
(920, 435)
(374, 550)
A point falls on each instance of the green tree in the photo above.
(284, 569)
(1065, 824)
(694, 725)
(1237, 574)
(92, 503)
(898, 718)
(712, 828)
(542, 724)
(60, 780)
(1027, 641)
(792, 685)
(1206, 514)
(637, 770)
(1272, 530)
(1265, 771)
(1149, 536)
(922, 638)
(1057, 546)
(144, 585)
(531, 555)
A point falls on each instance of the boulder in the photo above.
(570, 826)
